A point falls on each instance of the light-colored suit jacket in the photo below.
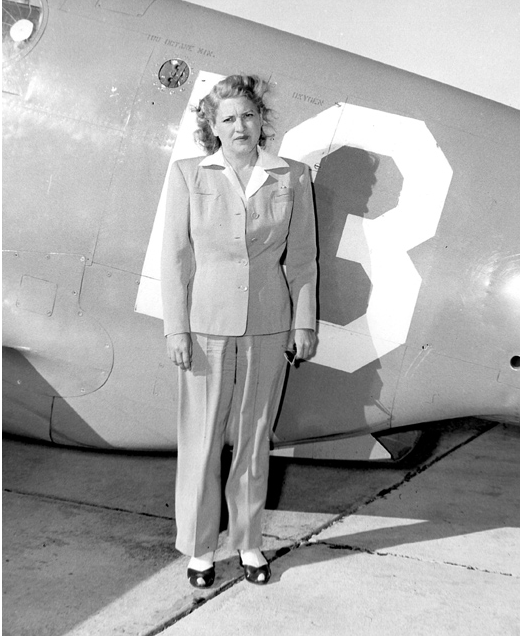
(221, 264)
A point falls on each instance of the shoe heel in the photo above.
(199, 579)
(256, 575)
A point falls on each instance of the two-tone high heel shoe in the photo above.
(257, 575)
(201, 579)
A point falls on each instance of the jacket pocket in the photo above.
(282, 195)
(202, 201)
(282, 202)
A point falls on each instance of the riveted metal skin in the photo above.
(92, 117)
(138, 400)
(44, 322)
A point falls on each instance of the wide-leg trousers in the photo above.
(231, 395)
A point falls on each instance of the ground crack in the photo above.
(273, 536)
(407, 478)
(76, 502)
(351, 548)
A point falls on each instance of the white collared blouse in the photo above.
(224, 248)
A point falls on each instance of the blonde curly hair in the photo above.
(249, 86)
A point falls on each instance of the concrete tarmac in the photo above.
(88, 546)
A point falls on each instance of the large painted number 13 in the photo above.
(379, 245)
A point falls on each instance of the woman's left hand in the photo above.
(305, 341)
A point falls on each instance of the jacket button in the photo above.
(255, 215)
(243, 288)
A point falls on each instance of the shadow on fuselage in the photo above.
(28, 401)
(349, 181)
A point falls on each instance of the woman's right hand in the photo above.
(179, 348)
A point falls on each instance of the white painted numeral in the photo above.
(379, 245)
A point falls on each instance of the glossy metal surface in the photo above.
(89, 131)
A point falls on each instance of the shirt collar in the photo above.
(217, 159)
(265, 160)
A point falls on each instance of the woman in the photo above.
(230, 312)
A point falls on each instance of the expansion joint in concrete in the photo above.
(351, 548)
(407, 478)
(197, 602)
(75, 502)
